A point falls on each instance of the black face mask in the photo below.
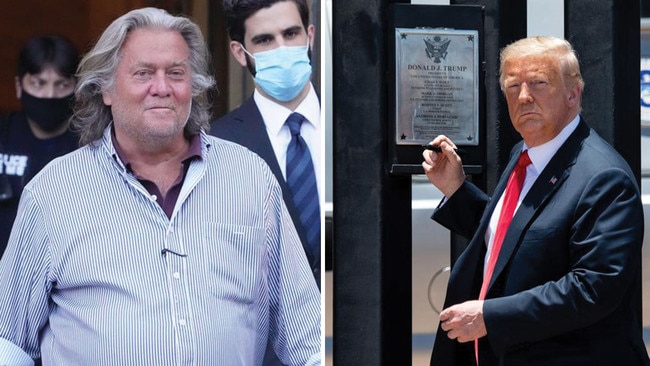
(48, 113)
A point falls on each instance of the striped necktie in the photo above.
(301, 180)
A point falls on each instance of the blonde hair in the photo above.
(545, 46)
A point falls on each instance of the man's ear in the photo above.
(311, 33)
(237, 51)
(19, 88)
(574, 95)
(107, 98)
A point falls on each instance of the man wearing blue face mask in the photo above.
(29, 139)
(281, 121)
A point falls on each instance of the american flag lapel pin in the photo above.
(553, 180)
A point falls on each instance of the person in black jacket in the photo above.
(40, 132)
(551, 274)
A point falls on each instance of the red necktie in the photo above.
(511, 196)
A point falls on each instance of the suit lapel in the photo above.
(254, 136)
(547, 183)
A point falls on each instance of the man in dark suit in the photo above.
(273, 39)
(559, 284)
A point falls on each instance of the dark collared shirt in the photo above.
(168, 201)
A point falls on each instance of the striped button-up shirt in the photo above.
(84, 280)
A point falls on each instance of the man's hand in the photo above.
(444, 169)
(464, 322)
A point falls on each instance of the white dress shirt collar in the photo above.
(275, 115)
(542, 154)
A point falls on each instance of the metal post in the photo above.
(372, 209)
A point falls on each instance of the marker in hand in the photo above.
(437, 148)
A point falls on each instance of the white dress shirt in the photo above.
(275, 115)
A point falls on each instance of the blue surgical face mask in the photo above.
(282, 72)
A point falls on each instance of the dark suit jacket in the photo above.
(566, 287)
(245, 126)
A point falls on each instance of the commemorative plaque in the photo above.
(437, 85)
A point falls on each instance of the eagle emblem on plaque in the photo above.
(436, 48)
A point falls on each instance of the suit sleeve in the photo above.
(603, 250)
(461, 213)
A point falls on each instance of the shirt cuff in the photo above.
(12, 355)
